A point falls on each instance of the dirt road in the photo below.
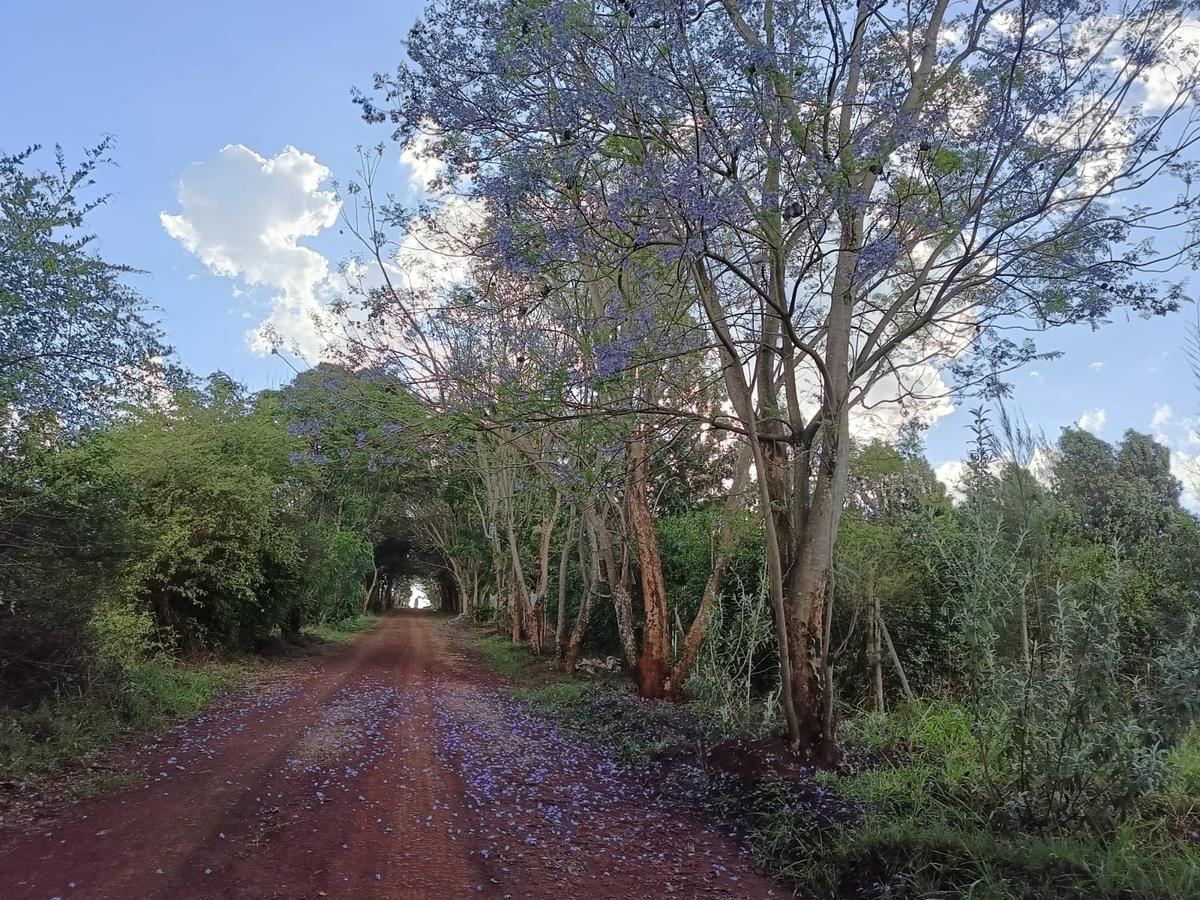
(395, 767)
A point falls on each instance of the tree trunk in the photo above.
(589, 568)
(806, 595)
(560, 625)
(537, 605)
(653, 666)
(876, 652)
(887, 639)
(520, 595)
(611, 575)
(369, 592)
(726, 543)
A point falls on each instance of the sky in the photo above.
(230, 118)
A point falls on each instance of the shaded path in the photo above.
(394, 768)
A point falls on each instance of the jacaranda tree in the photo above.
(854, 199)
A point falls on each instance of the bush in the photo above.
(925, 830)
(504, 656)
(1069, 737)
(123, 636)
(735, 663)
(1074, 741)
(67, 729)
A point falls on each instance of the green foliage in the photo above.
(341, 631)
(66, 729)
(895, 512)
(66, 535)
(924, 830)
(123, 636)
(1067, 738)
(557, 696)
(73, 336)
(209, 479)
(686, 541)
(735, 680)
(335, 589)
(504, 656)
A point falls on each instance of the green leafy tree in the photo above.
(73, 335)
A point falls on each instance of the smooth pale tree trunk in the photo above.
(876, 643)
(653, 668)
(520, 594)
(743, 403)
(537, 610)
(887, 639)
(369, 591)
(590, 569)
(560, 625)
(805, 604)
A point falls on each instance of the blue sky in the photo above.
(174, 83)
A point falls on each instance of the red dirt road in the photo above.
(394, 768)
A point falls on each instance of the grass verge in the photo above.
(343, 632)
(504, 656)
(68, 729)
(923, 834)
(603, 711)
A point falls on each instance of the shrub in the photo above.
(123, 636)
(734, 663)
(1074, 740)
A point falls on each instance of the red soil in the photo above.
(393, 768)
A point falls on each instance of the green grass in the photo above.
(1185, 761)
(924, 833)
(584, 707)
(68, 729)
(64, 730)
(504, 656)
(100, 783)
(343, 632)
(557, 696)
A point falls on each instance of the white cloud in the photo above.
(419, 156)
(917, 394)
(952, 474)
(1093, 420)
(1162, 415)
(1181, 436)
(1096, 366)
(1164, 82)
(243, 216)
(1041, 466)
(438, 253)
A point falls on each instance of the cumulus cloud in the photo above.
(436, 252)
(1162, 415)
(1181, 436)
(1165, 82)
(243, 215)
(1093, 420)
(952, 474)
(918, 395)
(420, 158)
